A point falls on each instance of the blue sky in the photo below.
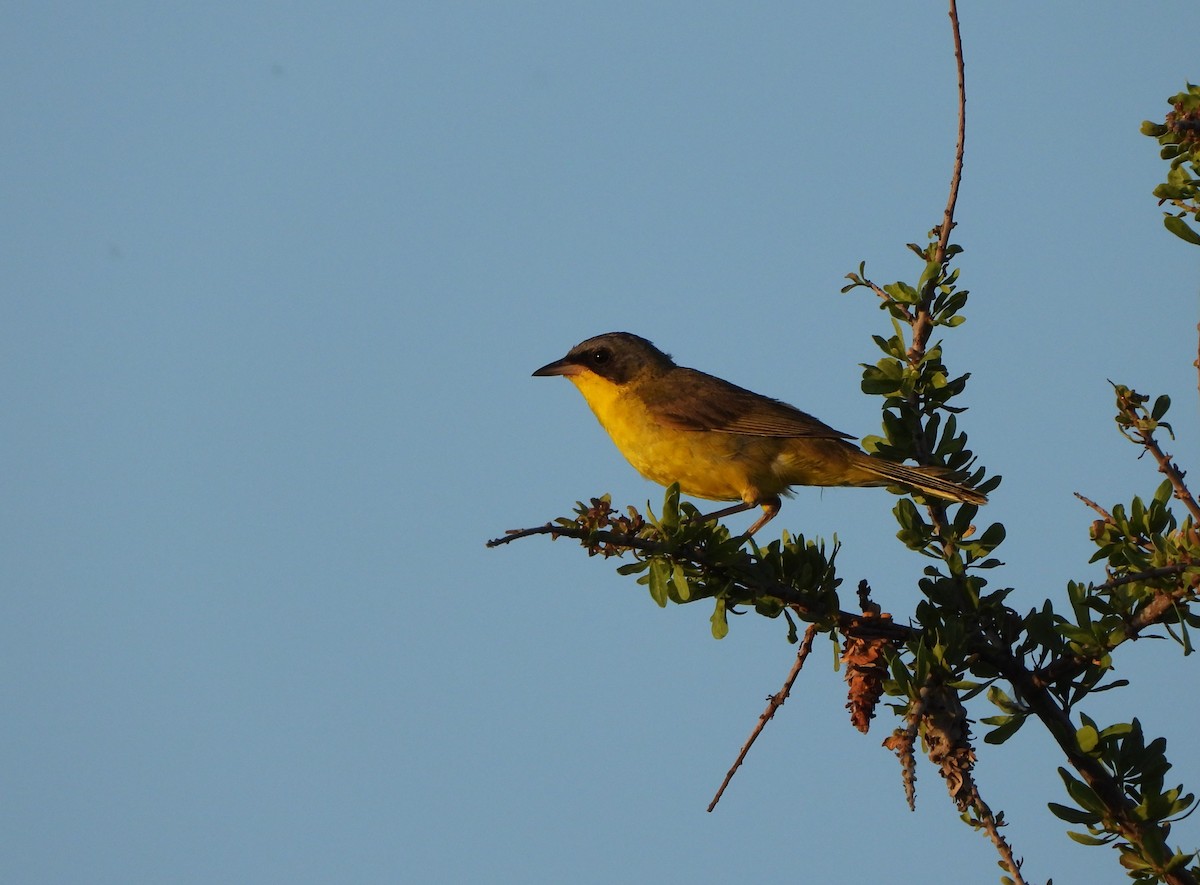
(274, 279)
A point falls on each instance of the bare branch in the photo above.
(1163, 571)
(922, 325)
(988, 822)
(774, 702)
(956, 176)
(1171, 471)
(1104, 514)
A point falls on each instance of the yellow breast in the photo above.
(717, 466)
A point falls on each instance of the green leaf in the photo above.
(874, 384)
(932, 271)
(1087, 738)
(902, 292)
(1084, 839)
(1179, 227)
(659, 575)
(670, 513)
(720, 626)
(1120, 729)
(993, 536)
(999, 699)
(680, 581)
(1073, 815)
(1005, 729)
(1083, 795)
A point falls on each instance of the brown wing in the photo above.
(697, 401)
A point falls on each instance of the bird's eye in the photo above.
(601, 356)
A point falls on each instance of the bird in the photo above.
(721, 442)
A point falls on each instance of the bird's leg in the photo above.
(727, 511)
(770, 508)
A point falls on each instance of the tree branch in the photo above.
(1043, 705)
(1140, 430)
(850, 623)
(1171, 471)
(774, 702)
(922, 325)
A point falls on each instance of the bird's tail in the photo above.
(929, 480)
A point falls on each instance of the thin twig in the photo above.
(959, 149)
(774, 702)
(890, 301)
(1171, 471)
(1130, 407)
(1104, 514)
(1163, 571)
(987, 820)
(516, 534)
(922, 325)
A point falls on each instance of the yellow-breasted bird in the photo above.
(720, 441)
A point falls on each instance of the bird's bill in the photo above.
(559, 367)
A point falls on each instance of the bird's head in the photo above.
(617, 357)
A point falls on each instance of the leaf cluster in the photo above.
(681, 557)
(1179, 137)
(1139, 769)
